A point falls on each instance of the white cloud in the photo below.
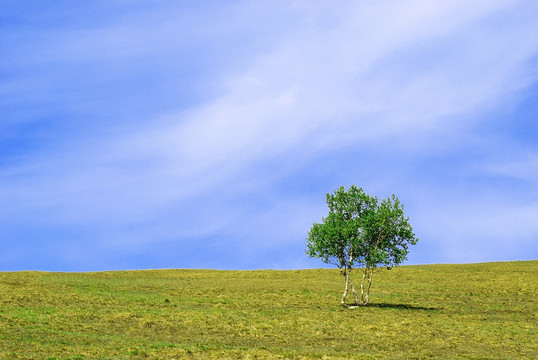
(483, 231)
(373, 75)
(523, 166)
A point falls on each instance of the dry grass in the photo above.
(475, 311)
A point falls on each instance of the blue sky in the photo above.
(205, 134)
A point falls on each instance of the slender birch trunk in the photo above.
(362, 285)
(354, 293)
(345, 291)
(370, 276)
(366, 283)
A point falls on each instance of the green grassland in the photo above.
(475, 311)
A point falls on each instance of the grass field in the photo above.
(476, 311)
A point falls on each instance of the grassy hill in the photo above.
(473, 311)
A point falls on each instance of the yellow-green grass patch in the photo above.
(474, 311)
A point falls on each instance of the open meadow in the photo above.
(474, 311)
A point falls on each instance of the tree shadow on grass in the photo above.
(400, 306)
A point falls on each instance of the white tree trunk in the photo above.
(366, 283)
(362, 286)
(354, 293)
(370, 275)
(345, 291)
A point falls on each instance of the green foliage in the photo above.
(337, 239)
(361, 231)
(478, 311)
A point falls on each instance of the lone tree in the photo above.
(361, 232)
